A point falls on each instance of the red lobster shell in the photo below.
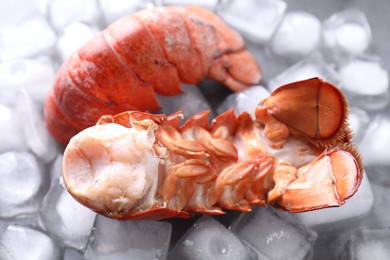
(296, 155)
(151, 51)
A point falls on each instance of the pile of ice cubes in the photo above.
(40, 220)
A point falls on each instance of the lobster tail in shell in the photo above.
(123, 67)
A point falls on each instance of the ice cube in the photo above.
(116, 240)
(64, 12)
(75, 35)
(209, 239)
(312, 66)
(190, 102)
(331, 245)
(35, 75)
(12, 136)
(370, 244)
(246, 100)
(376, 142)
(23, 242)
(209, 4)
(346, 33)
(347, 215)
(42, 5)
(275, 64)
(274, 236)
(298, 35)
(16, 11)
(71, 254)
(65, 218)
(379, 217)
(114, 9)
(365, 82)
(358, 121)
(56, 170)
(37, 136)
(256, 20)
(22, 182)
(26, 40)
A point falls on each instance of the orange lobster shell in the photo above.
(151, 51)
(295, 155)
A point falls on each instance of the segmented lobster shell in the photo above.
(151, 51)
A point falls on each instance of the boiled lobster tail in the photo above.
(136, 165)
(150, 52)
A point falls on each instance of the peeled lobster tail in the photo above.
(151, 51)
(136, 165)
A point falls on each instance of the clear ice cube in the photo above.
(209, 4)
(115, 9)
(256, 20)
(370, 244)
(345, 216)
(74, 36)
(22, 183)
(246, 100)
(208, 239)
(312, 66)
(23, 242)
(27, 39)
(11, 12)
(71, 254)
(12, 135)
(358, 121)
(66, 219)
(36, 134)
(376, 142)
(365, 81)
(298, 35)
(346, 33)
(190, 102)
(273, 235)
(35, 75)
(64, 12)
(379, 217)
(121, 240)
